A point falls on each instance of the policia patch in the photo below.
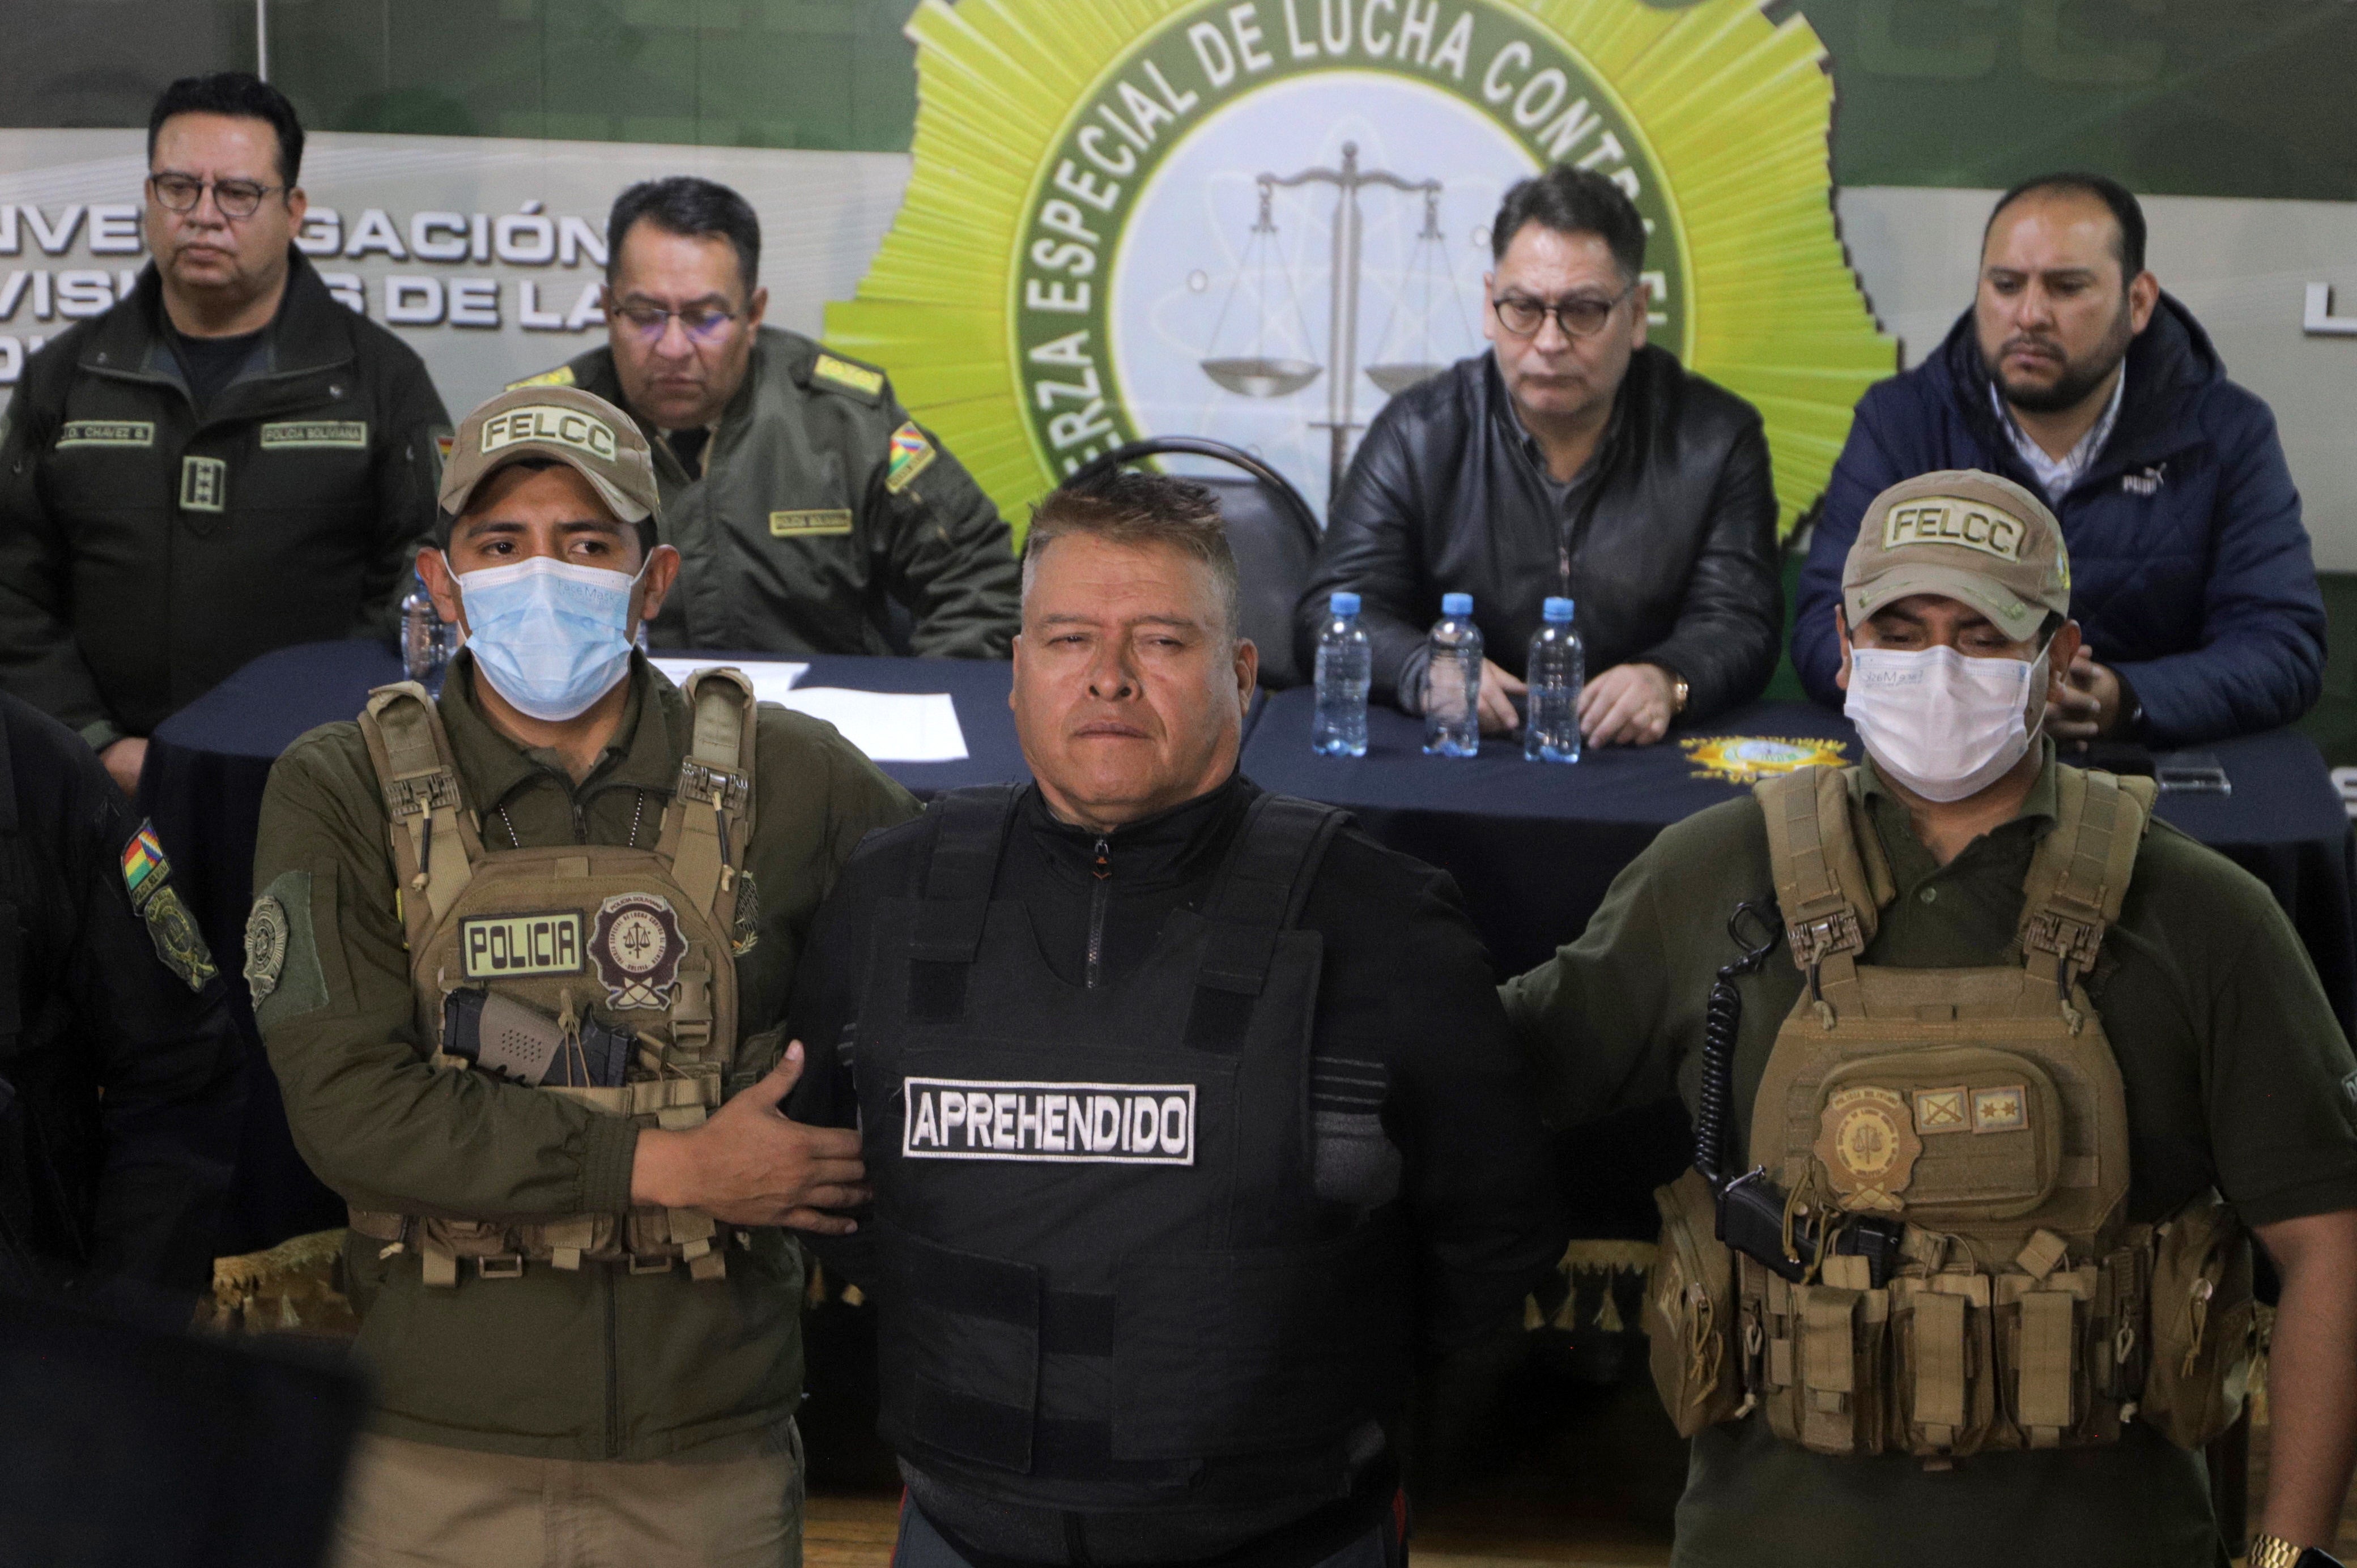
(147, 877)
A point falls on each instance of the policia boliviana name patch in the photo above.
(1059, 1123)
(147, 877)
(499, 947)
(351, 435)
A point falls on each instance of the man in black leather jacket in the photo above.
(1572, 459)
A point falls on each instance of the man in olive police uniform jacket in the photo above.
(810, 514)
(120, 1069)
(227, 462)
(1189, 1118)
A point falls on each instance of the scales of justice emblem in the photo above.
(1266, 369)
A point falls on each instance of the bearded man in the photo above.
(2075, 376)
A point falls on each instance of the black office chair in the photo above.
(1271, 529)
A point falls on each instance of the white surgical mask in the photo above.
(550, 636)
(1941, 724)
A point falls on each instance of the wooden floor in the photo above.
(1503, 1526)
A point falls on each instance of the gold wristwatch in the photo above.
(2275, 1551)
(1679, 691)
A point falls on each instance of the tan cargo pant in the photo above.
(420, 1505)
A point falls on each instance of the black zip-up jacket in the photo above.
(1405, 980)
(148, 551)
(122, 1084)
(1668, 542)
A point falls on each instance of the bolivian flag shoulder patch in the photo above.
(910, 455)
(560, 377)
(844, 374)
(179, 946)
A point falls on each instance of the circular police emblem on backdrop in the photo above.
(637, 947)
(1259, 220)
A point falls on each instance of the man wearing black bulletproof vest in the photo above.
(1191, 1115)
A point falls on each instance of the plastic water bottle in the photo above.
(424, 640)
(1345, 663)
(1558, 666)
(1452, 681)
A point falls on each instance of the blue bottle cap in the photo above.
(1556, 608)
(1343, 603)
(1457, 605)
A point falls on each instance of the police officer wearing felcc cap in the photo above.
(517, 955)
(2000, 1075)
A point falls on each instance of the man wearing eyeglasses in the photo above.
(1572, 459)
(810, 514)
(224, 463)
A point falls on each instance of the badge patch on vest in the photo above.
(912, 455)
(1867, 1141)
(788, 524)
(637, 947)
(106, 433)
(348, 435)
(1055, 1124)
(503, 947)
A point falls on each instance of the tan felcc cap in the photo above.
(576, 428)
(1965, 536)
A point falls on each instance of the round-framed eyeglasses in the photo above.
(235, 198)
(1581, 316)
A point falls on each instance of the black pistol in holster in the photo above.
(1755, 1215)
(500, 1035)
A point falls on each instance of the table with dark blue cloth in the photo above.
(207, 765)
(1534, 846)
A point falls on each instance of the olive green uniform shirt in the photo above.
(2236, 1074)
(597, 1364)
(820, 503)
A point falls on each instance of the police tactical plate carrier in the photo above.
(637, 940)
(1982, 1109)
(1121, 1263)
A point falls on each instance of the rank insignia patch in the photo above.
(637, 947)
(1942, 1111)
(912, 455)
(2005, 1110)
(177, 941)
(204, 484)
(265, 947)
(844, 374)
(560, 377)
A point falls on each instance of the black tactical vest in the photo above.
(1107, 1278)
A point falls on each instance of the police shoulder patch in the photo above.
(910, 455)
(265, 947)
(178, 943)
(560, 377)
(844, 374)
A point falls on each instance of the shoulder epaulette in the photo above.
(838, 374)
(560, 377)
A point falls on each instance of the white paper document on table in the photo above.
(889, 726)
(771, 680)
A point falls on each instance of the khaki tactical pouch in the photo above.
(2200, 1362)
(1690, 1310)
(1943, 1400)
(1826, 1376)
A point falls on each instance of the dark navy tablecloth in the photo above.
(207, 765)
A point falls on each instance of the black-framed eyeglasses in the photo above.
(700, 322)
(1582, 316)
(235, 198)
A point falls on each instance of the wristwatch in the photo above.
(1679, 691)
(2275, 1551)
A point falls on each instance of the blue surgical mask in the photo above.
(550, 636)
